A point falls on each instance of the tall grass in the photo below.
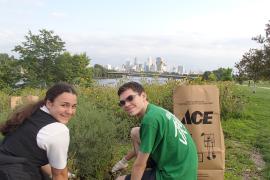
(93, 135)
(233, 100)
(100, 125)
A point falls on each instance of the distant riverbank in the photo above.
(115, 81)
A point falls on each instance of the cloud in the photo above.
(189, 49)
(3, 1)
(58, 14)
(176, 49)
(8, 40)
(38, 3)
(207, 39)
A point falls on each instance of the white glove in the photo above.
(123, 163)
(71, 175)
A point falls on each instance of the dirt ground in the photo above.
(256, 157)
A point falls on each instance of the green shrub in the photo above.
(162, 94)
(4, 108)
(106, 98)
(92, 134)
(232, 100)
(4, 104)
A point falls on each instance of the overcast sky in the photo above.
(198, 34)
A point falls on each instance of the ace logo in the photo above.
(198, 108)
(198, 117)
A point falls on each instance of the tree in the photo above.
(100, 71)
(266, 72)
(205, 76)
(255, 64)
(73, 69)
(252, 65)
(212, 77)
(223, 74)
(38, 54)
(265, 42)
(10, 71)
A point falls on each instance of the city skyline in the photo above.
(200, 35)
(160, 65)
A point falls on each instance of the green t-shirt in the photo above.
(169, 144)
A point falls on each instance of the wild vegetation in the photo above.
(100, 130)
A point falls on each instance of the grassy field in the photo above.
(247, 139)
(264, 83)
(258, 84)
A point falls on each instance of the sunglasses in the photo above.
(128, 99)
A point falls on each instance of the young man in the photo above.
(161, 139)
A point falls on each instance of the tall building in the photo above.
(140, 68)
(128, 63)
(153, 66)
(180, 70)
(135, 61)
(146, 67)
(160, 64)
(127, 66)
(149, 61)
(149, 64)
(108, 66)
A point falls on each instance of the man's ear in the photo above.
(144, 95)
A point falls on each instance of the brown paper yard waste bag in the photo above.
(197, 106)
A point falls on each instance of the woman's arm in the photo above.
(59, 174)
(46, 169)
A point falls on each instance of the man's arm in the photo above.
(59, 174)
(139, 166)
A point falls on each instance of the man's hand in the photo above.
(120, 165)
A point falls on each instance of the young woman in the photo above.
(37, 135)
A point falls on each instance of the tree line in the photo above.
(221, 74)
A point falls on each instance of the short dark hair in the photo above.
(137, 87)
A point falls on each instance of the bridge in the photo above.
(154, 74)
